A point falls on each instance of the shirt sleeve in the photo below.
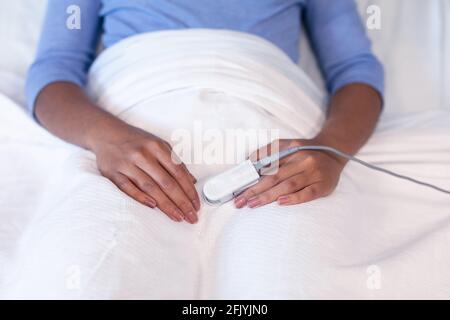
(341, 45)
(66, 49)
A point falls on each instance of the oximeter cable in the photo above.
(284, 153)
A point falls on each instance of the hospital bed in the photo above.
(413, 44)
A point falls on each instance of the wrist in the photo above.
(103, 129)
(336, 143)
(338, 139)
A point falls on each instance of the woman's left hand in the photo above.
(301, 177)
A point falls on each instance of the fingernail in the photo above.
(178, 215)
(283, 200)
(191, 218)
(254, 202)
(196, 204)
(150, 203)
(176, 219)
(239, 202)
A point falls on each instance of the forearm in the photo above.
(353, 114)
(66, 111)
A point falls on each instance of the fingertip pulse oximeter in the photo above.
(227, 185)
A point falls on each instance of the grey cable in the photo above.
(284, 153)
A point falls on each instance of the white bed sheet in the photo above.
(61, 219)
(412, 45)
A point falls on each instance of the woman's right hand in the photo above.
(141, 165)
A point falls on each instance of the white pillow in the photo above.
(414, 46)
(19, 32)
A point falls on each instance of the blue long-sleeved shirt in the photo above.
(336, 32)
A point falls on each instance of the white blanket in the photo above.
(67, 232)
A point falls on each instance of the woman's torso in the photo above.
(279, 21)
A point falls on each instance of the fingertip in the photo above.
(177, 215)
(196, 204)
(240, 202)
(176, 219)
(150, 203)
(191, 218)
(254, 202)
(283, 201)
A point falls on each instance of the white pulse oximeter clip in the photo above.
(227, 185)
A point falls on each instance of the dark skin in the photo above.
(141, 165)
(308, 175)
